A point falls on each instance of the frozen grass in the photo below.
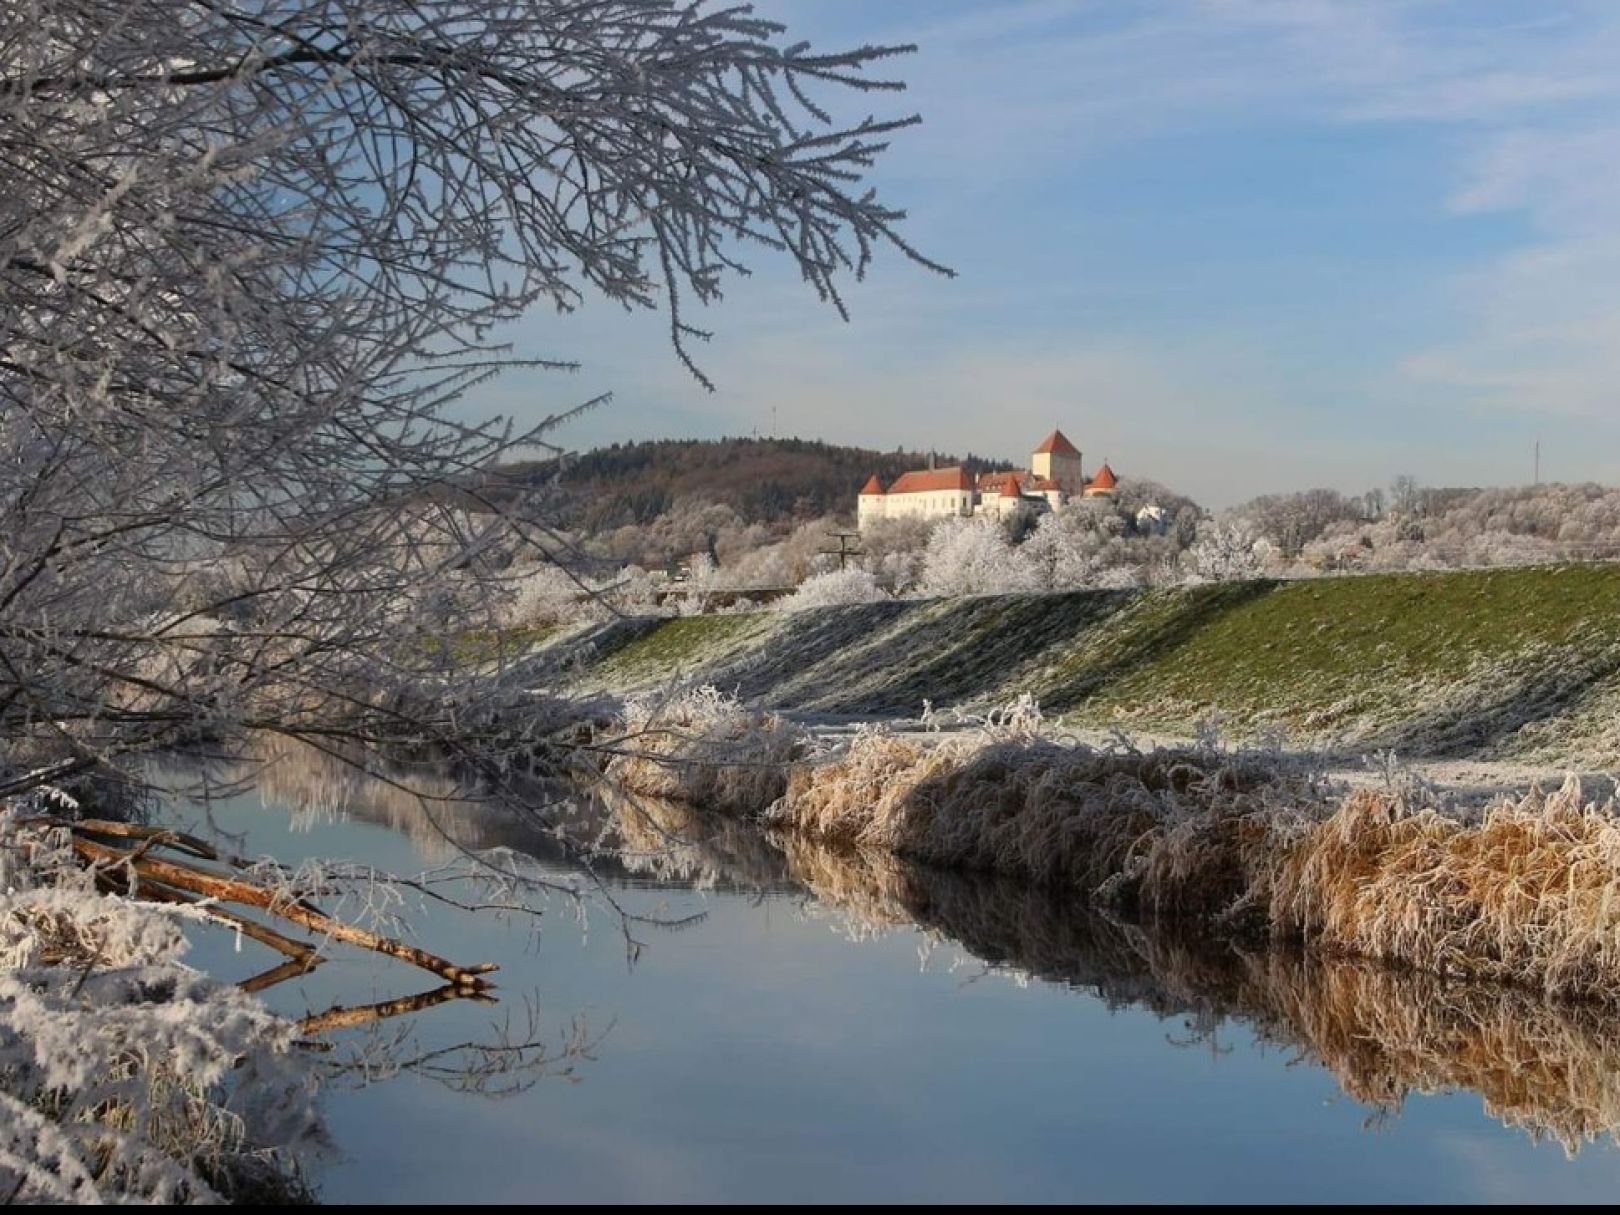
(1245, 842)
(1167, 831)
(1529, 894)
(1509, 662)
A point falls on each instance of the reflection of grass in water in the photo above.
(669, 841)
(1530, 885)
(435, 812)
(1529, 893)
(1549, 1068)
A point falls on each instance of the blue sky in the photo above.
(1237, 246)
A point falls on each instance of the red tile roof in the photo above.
(1009, 487)
(1055, 444)
(932, 480)
(1105, 478)
(873, 486)
(1043, 484)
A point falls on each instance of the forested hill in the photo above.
(764, 480)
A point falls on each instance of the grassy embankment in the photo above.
(1513, 662)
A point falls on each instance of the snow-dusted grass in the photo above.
(1521, 663)
(1528, 894)
(654, 656)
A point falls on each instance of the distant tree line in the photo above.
(764, 481)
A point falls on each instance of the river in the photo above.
(779, 1023)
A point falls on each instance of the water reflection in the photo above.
(1551, 1070)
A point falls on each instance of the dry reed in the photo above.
(702, 747)
(1527, 893)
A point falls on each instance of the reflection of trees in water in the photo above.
(359, 1045)
(1551, 1069)
(442, 817)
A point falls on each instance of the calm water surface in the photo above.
(840, 1030)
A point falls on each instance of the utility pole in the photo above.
(843, 552)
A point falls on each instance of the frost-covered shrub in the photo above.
(835, 588)
(633, 592)
(544, 595)
(704, 748)
(975, 557)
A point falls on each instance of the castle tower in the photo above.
(1104, 485)
(1058, 460)
(869, 506)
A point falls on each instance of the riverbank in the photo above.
(1247, 843)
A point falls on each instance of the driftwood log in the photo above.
(168, 866)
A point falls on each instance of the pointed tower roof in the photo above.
(1105, 478)
(1009, 487)
(1055, 444)
(872, 486)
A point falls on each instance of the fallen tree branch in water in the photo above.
(142, 872)
(343, 1017)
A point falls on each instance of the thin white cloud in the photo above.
(1530, 89)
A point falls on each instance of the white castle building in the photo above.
(1054, 478)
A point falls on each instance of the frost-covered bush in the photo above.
(704, 748)
(834, 588)
(544, 595)
(975, 557)
(1227, 551)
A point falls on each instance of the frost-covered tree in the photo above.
(250, 251)
(975, 557)
(1292, 521)
(835, 588)
(1227, 551)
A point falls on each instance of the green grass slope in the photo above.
(1491, 662)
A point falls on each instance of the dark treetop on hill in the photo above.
(764, 480)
